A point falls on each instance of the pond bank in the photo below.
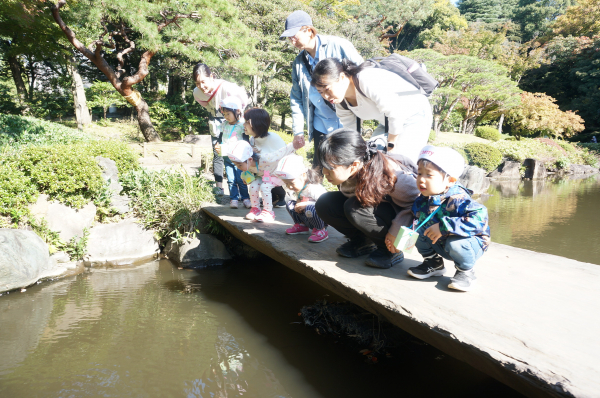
(525, 324)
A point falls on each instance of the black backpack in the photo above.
(406, 68)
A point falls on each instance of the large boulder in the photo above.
(68, 222)
(123, 243)
(535, 169)
(475, 179)
(24, 259)
(507, 171)
(200, 251)
(582, 169)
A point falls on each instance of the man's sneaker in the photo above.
(462, 280)
(356, 247)
(318, 235)
(383, 258)
(255, 211)
(431, 266)
(218, 191)
(247, 203)
(281, 203)
(297, 229)
(234, 204)
(265, 216)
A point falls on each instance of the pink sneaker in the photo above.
(297, 229)
(265, 216)
(318, 235)
(255, 211)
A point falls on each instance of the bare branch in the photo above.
(121, 54)
(166, 22)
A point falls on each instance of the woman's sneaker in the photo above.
(234, 204)
(281, 203)
(383, 258)
(255, 211)
(247, 203)
(462, 280)
(356, 247)
(318, 235)
(265, 216)
(431, 266)
(297, 229)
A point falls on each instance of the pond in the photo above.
(153, 330)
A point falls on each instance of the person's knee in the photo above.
(464, 250)
(353, 211)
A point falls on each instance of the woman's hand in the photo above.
(433, 233)
(389, 243)
(300, 207)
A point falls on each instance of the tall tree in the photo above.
(534, 16)
(581, 19)
(124, 27)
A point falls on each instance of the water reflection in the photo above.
(556, 216)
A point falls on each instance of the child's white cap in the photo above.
(231, 102)
(290, 167)
(445, 158)
(240, 152)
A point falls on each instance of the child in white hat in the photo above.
(231, 132)
(455, 227)
(307, 185)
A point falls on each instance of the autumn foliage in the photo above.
(539, 114)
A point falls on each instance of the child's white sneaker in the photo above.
(265, 216)
(247, 203)
(234, 204)
(462, 280)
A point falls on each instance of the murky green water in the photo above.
(560, 217)
(156, 331)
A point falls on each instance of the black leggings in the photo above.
(348, 217)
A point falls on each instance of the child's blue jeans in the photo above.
(235, 183)
(463, 251)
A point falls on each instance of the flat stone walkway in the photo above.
(533, 322)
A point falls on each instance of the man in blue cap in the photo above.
(306, 102)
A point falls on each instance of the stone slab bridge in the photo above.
(533, 322)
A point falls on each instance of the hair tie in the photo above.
(370, 151)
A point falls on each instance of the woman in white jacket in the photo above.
(209, 92)
(374, 93)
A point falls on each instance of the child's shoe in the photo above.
(431, 266)
(383, 258)
(265, 216)
(318, 235)
(462, 280)
(297, 229)
(247, 203)
(255, 211)
(234, 204)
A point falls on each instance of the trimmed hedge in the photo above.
(17, 131)
(483, 155)
(488, 133)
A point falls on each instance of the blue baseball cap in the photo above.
(294, 22)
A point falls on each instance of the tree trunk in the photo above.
(282, 127)
(174, 87)
(437, 126)
(82, 113)
(15, 68)
(468, 126)
(104, 110)
(145, 123)
(500, 123)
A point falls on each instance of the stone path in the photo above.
(532, 322)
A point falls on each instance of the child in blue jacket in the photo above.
(458, 230)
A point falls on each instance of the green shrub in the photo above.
(124, 157)
(166, 201)
(16, 190)
(562, 163)
(67, 173)
(17, 131)
(590, 146)
(482, 155)
(567, 146)
(488, 133)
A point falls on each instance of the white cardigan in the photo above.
(386, 94)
